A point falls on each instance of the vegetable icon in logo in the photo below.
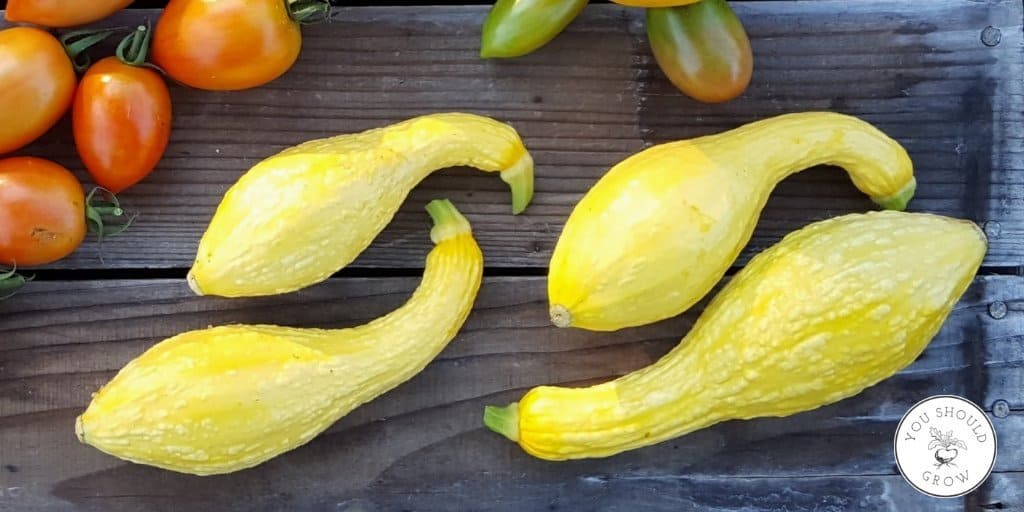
(945, 446)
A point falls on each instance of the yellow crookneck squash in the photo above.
(227, 398)
(298, 217)
(830, 310)
(655, 234)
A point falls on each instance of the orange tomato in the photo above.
(37, 84)
(122, 122)
(61, 13)
(226, 44)
(42, 212)
(703, 49)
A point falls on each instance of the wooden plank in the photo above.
(1004, 349)
(1003, 491)
(917, 69)
(59, 341)
(672, 494)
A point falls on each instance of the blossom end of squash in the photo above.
(899, 200)
(560, 316)
(503, 420)
(519, 177)
(193, 284)
(80, 430)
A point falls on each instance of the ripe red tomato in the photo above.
(226, 44)
(703, 49)
(122, 122)
(37, 84)
(61, 13)
(42, 212)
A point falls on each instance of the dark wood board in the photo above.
(918, 69)
(1009, 490)
(423, 447)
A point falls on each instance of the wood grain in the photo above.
(917, 69)
(62, 340)
(1004, 491)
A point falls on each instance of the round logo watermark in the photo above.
(945, 446)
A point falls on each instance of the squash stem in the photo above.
(520, 179)
(448, 222)
(503, 420)
(899, 200)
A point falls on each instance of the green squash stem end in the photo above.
(448, 222)
(899, 200)
(520, 179)
(503, 420)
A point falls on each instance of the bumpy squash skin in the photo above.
(298, 217)
(655, 234)
(830, 310)
(227, 398)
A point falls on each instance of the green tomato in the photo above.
(702, 48)
(517, 27)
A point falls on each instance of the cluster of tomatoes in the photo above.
(120, 107)
(700, 45)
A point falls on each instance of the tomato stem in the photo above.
(11, 281)
(308, 12)
(134, 49)
(96, 209)
(77, 42)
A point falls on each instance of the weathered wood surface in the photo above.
(918, 69)
(423, 447)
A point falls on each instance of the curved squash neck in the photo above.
(438, 306)
(703, 409)
(451, 140)
(784, 145)
(430, 318)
